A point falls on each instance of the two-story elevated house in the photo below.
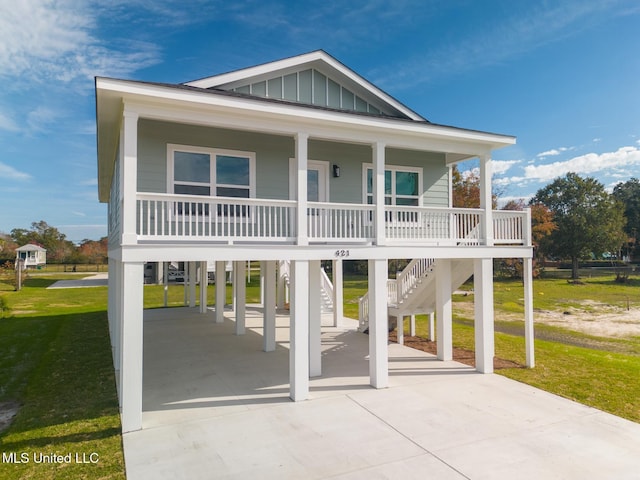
(290, 163)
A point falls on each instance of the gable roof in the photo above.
(30, 247)
(314, 78)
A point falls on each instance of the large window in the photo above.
(203, 171)
(402, 185)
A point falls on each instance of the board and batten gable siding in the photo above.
(272, 160)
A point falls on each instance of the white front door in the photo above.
(317, 180)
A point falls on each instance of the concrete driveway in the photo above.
(217, 407)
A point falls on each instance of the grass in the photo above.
(55, 362)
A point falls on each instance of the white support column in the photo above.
(486, 199)
(378, 191)
(129, 172)
(315, 319)
(378, 324)
(117, 326)
(131, 355)
(269, 321)
(165, 282)
(301, 140)
(112, 306)
(338, 293)
(400, 329)
(221, 290)
(185, 283)
(204, 284)
(412, 325)
(280, 287)
(432, 329)
(299, 332)
(483, 320)
(444, 315)
(262, 274)
(529, 337)
(193, 276)
(240, 273)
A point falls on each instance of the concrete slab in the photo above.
(216, 406)
(97, 280)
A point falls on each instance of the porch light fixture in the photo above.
(336, 171)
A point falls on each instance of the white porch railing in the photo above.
(193, 217)
(336, 222)
(410, 276)
(166, 216)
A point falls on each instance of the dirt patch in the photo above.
(459, 354)
(8, 411)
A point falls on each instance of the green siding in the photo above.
(272, 160)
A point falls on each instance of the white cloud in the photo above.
(53, 40)
(7, 172)
(7, 123)
(585, 164)
(40, 118)
(502, 166)
(554, 152)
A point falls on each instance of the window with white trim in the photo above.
(210, 172)
(402, 185)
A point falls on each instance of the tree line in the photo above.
(59, 249)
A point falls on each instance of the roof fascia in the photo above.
(140, 92)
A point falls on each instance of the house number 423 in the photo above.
(341, 253)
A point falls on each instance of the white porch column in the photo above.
(185, 283)
(112, 306)
(483, 318)
(129, 173)
(131, 338)
(193, 276)
(315, 319)
(269, 321)
(280, 286)
(529, 337)
(117, 322)
(432, 330)
(400, 329)
(378, 191)
(299, 332)
(444, 316)
(240, 274)
(486, 199)
(378, 324)
(301, 140)
(338, 293)
(221, 290)
(165, 283)
(204, 284)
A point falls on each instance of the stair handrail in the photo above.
(406, 280)
(325, 283)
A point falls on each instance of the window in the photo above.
(210, 172)
(402, 185)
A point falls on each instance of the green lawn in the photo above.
(55, 362)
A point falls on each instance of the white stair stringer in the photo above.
(326, 287)
(419, 294)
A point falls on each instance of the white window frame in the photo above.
(213, 153)
(393, 169)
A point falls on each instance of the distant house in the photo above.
(32, 255)
(291, 163)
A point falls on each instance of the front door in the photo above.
(317, 181)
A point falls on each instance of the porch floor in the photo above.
(216, 406)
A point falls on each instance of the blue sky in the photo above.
(562, 76)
